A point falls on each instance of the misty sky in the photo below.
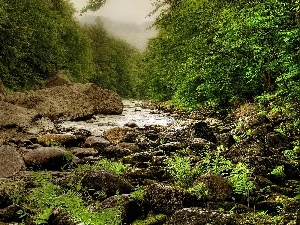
(124, 10)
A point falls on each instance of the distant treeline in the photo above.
(39, 38)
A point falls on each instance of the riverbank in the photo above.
(143, 166)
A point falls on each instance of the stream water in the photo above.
(133, 112)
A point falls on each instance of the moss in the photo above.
(151, 220)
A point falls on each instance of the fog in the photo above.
(122, 10)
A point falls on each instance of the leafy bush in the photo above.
(105, 164)
(240, 179)
(43, 199)
(181, 170)
(278, 171)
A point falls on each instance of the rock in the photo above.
(226, 140)
(130, 208)
(100, 180)
(2, 91)
(138, 158)
(115, 151)
(121, 134)
(140, 175)
(218, 187)
(9, 191)
(67, 140)
(71, 102)
(132, 147)
(58, 79)
(200, 216)
(278, 141)
(84, 152)
(50, 158)
(15, 116)
(200, 145)
(202, 130)
(58, 217)
(11, 161)
(166, 199)
(98, 143)
(10, 214)
(40, 125)
(171, 147)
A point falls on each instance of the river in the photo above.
(133, 112)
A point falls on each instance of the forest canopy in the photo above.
(215, 52)
(41, 38)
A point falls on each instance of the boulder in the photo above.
(11, 161)
(84, 152)
(59, 217)
(218, 187)
(200, 216)
(10, 214)
(67, 140)
(99, 180)
(58, 79)
(202, 130)
(98, 143)
(50, 158)
(2, 91)
(121, 134)
(71, 101)
(16, 116)
(167, 200)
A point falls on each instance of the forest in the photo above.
(202, 127)
(213, 53)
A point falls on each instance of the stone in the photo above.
(121, 134)
(50, 158)
(101, 180)
(59, 217)
(202, 130)
(98, 143)
(218, 187)
(200, 216)
(84, 152)
(11, 161)
(69, 101)
(58, 79)
(15, 116)
(167, 200)
(67, 140)
(10, 214)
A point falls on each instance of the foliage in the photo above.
(114, 61)
(39, 38)
(151, 219)
(216, 163)
(278, 171)
(214, 52)
(181, 170)
(239, 178)
(199, 190)
(47, 196)
(105, 164)
(138, 193)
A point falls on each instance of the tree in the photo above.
(213, 52)
(38, 38)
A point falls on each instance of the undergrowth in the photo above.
(47, 197)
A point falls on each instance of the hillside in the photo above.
(137, 34)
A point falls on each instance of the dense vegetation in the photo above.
(207, 52)
(215, 52)
(40, 38)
